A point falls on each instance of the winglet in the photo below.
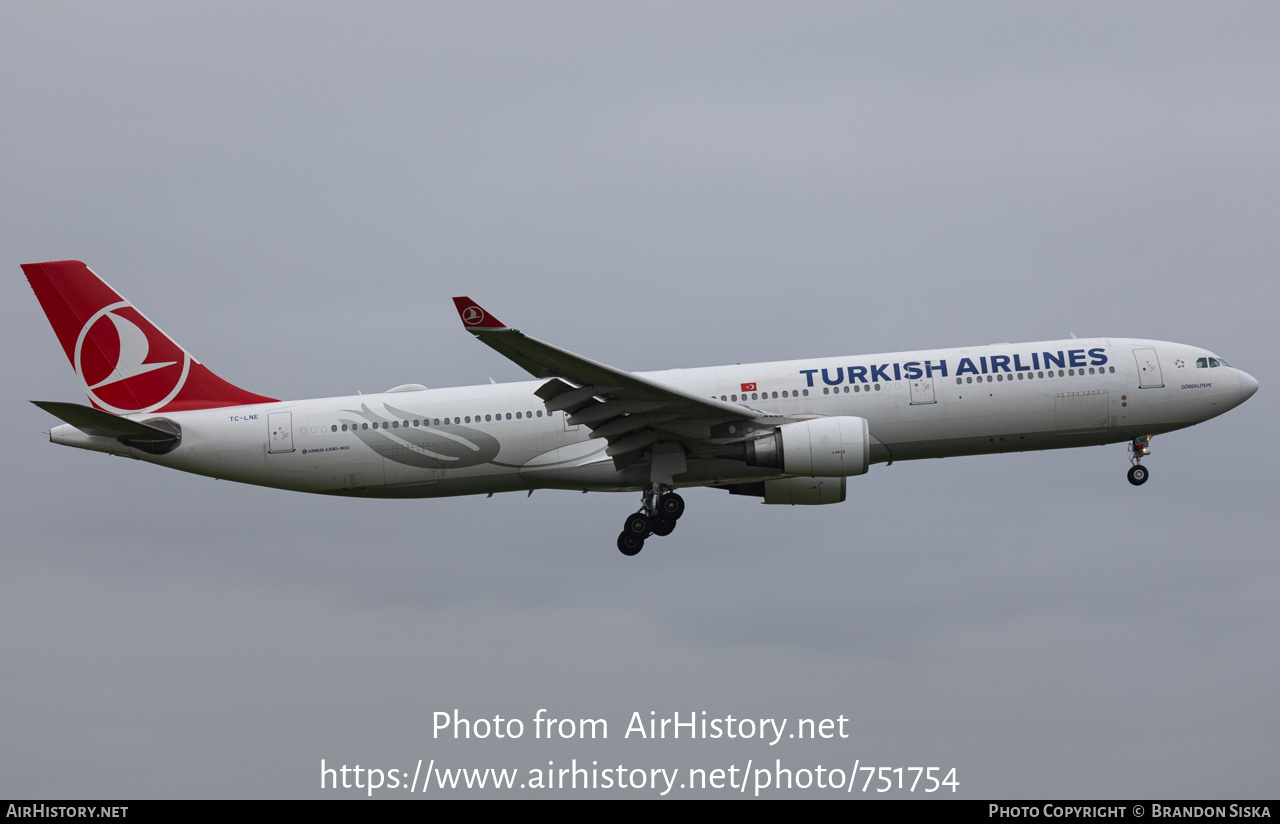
(474, 317)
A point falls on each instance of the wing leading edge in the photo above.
(631, 412)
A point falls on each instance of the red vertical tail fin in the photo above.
(124, 361)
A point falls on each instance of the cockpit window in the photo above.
(1202, 363)
(1224, 363)
(1213, 363)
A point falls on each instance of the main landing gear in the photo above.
(1139, 449)
(658, 516)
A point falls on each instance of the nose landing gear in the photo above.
(1139, 449)
(662, 508)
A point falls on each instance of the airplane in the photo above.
(787, 432)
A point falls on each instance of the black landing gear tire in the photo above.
(663, 526)
(671, 506)
(1138, 475)
(638, 525)
(629, 544)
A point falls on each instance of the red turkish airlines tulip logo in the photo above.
(126, 363)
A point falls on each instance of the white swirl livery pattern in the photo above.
(437, 447)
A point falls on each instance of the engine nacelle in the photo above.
(804, 491)
(833, 447)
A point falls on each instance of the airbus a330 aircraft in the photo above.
(789, 432)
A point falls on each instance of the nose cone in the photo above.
(1248, 385)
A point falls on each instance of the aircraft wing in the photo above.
(630, 411)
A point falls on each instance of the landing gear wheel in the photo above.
(629, 544)
(638, 525)
(1137, 475)
(663, 526)
(671, 506)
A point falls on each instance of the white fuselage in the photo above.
(499, 437)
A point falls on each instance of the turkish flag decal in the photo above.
(748, 387)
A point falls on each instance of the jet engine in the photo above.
(833, 447)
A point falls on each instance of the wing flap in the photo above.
(609, 410)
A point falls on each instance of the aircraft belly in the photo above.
(1200, 405)
(580, 465)
(1082, 410)
(584, 465)
(985, 416)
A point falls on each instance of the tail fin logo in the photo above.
(126, 363)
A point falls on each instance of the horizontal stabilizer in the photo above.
(92, 421)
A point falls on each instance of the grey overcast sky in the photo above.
(295, 190)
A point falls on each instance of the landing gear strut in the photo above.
(657, 516)
(1139, 449)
